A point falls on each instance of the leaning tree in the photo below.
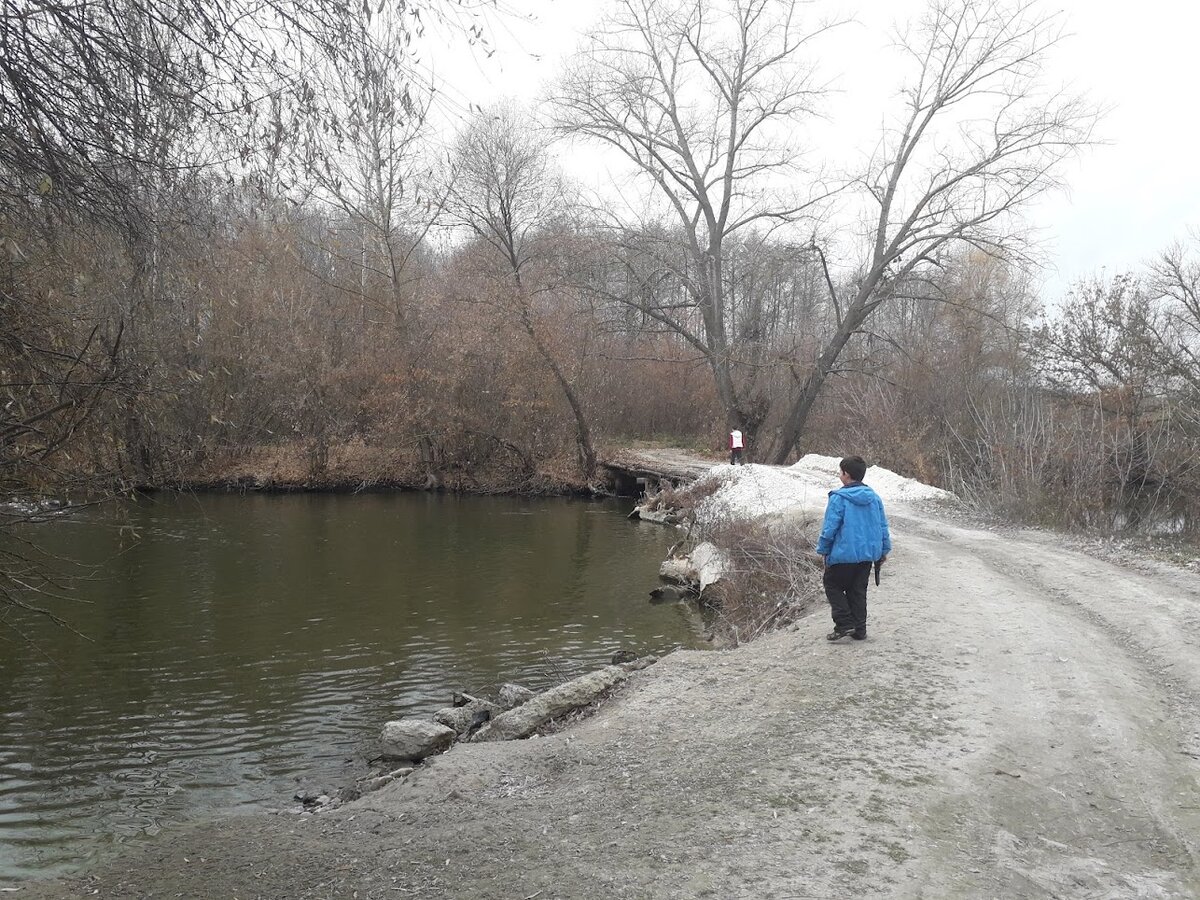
(504, 189)
(977, 139)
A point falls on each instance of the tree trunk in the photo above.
(801, 407)
(583, 433)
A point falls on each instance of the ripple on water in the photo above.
(243, 645)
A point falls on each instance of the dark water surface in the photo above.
(239, 648)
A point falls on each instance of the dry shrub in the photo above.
(772, 578)
(683, 500)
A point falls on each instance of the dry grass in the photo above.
(683, 500)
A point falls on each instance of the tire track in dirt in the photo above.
(1080, 785)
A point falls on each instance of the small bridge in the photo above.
(633, 471)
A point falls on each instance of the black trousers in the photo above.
(846, 588)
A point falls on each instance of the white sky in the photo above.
(1128, 199)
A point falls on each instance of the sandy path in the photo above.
(1024, 721)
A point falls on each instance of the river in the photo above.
(227, 651)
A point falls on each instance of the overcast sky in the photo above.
(1128, 199)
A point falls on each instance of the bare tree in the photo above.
(1107, 348)
(1109, 351)
(977, 141)
(1175, 278)
(366, 156)
(505, 191)
(704, 98)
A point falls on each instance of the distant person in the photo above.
(854, 536)
(736, 445)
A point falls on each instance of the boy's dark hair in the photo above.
(854, 466)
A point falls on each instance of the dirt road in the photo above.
(1023, 721)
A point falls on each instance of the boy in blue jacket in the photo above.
(853, 536)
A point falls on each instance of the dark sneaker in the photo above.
(859, 634)
(838, 633)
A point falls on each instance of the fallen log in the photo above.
(558, 701)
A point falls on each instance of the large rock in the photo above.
(644, 662)
(415, 738)
(700, 568)
(710, 564)
(460, 717)
(661, 516)
(677, 569)
(514, 695)
(671, 593)
(531, 715)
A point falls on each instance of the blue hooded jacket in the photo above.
(855, 527)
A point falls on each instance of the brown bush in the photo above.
(771, 582)
(683, 500)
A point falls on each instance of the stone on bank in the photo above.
(513, 695)
(705, 565)
(525, 719)
(461, 718)
(415, 738)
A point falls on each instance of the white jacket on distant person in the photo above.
(736, 445)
